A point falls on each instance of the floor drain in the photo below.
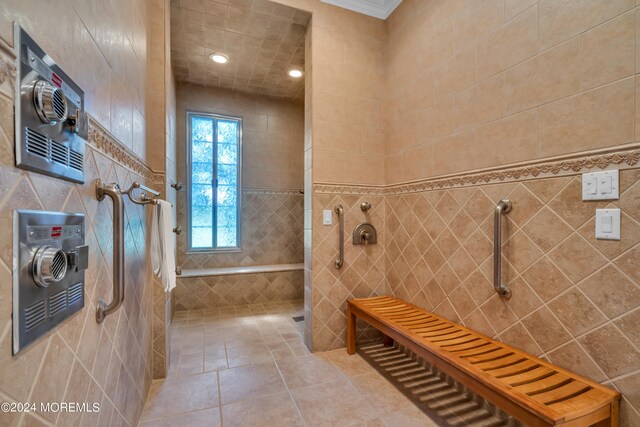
(298, 318)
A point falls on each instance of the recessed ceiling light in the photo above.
(295, 73)
(220, 58)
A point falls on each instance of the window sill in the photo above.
(214, 251)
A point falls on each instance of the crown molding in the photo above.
(380, 9)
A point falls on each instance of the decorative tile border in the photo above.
(107, 144)
(627, 158)
(249, 190)
(348, 189)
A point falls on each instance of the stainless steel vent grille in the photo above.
(59, 104)
(76, 161)
(37, 143)
(58, 302)
(59, 153)
(59, 265)
(53, 151)
(34, 315)
(76, 293)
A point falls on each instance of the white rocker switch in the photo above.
(608, 224)
(327, 217)
(600, 185)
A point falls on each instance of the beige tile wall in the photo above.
(479, 84)
(161, 152)
(272, 224)
(206, 293)
(272, 134)
(363, 272)
(272, 206)
(576, 300)
(103, 47)
(80, 360)
(344, 141)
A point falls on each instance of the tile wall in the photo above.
(576, 300)
(272, 203)
(487, 83)
(80, 361)
(493, 83)
(206, 293)
(161, 151)
(103, 47)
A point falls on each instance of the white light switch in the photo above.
(608, 224)
(600, 185)
(327, 216)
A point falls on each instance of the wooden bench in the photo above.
(532, 390)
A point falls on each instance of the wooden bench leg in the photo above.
(387, 341)
(351, 332)
(613, 420)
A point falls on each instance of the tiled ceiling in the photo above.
(262, 39)
(376, 8)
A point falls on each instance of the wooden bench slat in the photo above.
(502, 362)
(514, 369)
(529, 376)
(533, 390)
(488, 357)
(541, 384)
(564, 392)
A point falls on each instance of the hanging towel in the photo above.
(163, 245)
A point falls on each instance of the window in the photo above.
(214, 153)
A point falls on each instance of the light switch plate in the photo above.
(608, 224)
(600, 185)
(327, 217)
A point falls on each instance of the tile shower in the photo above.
(431, 116)
(272, 202)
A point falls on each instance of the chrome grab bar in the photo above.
(340, 211)
(113, 191)
(503, 207)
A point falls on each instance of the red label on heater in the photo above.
(56, 80)
(56, 231)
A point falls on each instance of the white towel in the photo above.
(163, 245)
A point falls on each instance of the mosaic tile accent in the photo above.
(200, 293)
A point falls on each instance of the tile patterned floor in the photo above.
(248, 366)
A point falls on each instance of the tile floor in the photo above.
(248, 366)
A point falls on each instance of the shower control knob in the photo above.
(50, 102)
(49, 266)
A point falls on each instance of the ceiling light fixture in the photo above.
(220, 58)
(295, 73)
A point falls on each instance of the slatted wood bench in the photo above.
(532, 390)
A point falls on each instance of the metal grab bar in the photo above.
(113, 191)
(503, 207)
(340, 211)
